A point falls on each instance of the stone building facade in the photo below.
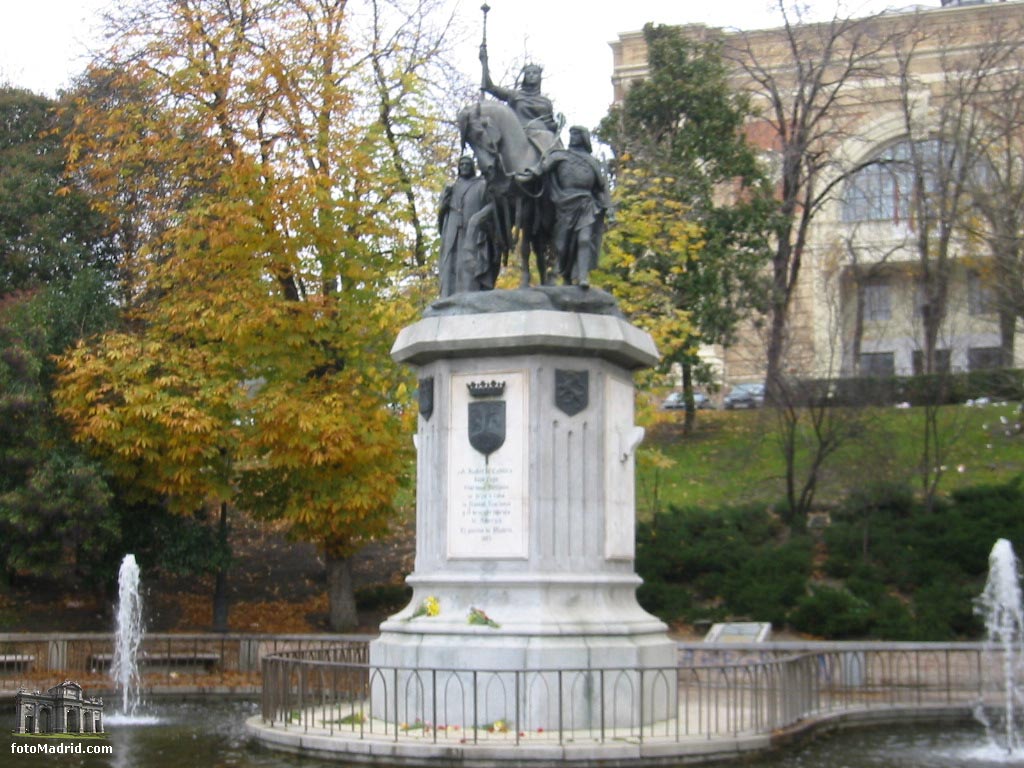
(858, 306)
(61, 709)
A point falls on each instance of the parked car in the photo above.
(744, 396)
(675, 402)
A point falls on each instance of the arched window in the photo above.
(884, 187)
(882, 190)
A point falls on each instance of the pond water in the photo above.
(204, 735)
(939, 746)
(185, 734)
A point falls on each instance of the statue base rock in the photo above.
(524, 588)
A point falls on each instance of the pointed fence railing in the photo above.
(714, 691)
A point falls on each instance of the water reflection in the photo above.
(193, 735)
(204, 735)
(917, 746)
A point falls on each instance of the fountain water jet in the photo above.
(124, 667)
(1002, 606)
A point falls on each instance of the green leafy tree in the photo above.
(49, 232)
(57, 518)
(266, 288)
(693, 206)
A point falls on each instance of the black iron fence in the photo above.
(714, 692)
(325, 684)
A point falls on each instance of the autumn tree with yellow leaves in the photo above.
(268, 219)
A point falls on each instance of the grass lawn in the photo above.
(734, 457)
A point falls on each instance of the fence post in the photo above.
(561, 725)
(302, 701)
(394, 678)
(641, 708)
(518, 707)
(476, 711)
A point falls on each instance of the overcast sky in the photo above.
(43, 43)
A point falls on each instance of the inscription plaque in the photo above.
(487, 500)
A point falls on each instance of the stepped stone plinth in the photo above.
(525, 513)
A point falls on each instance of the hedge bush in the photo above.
(896, 571)
(724, 563)
(832, 613)
(932, 389)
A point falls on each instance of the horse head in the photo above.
(497, 137)
(503, 149)
(479, 132)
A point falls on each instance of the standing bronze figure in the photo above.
(578, 190)
(469, 261)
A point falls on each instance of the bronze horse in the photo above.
(504, 149)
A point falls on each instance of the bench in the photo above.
(100, 662)
(16, 662)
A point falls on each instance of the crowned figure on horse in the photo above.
(516, 143)
(508, 137)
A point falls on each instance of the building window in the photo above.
(885, 188)
(881, 191)
(877, 300)
(878, 364)
(984, 358)
(942, 361)
(980, 300)
(875, 194)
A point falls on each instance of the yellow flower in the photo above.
(429, 606)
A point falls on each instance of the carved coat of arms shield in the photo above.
(426, 397)
(572, 391)
(487, 425)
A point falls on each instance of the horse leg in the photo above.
(524, 262)
(523, 224)
(541, 258)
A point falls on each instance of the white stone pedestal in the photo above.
(525, 512)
